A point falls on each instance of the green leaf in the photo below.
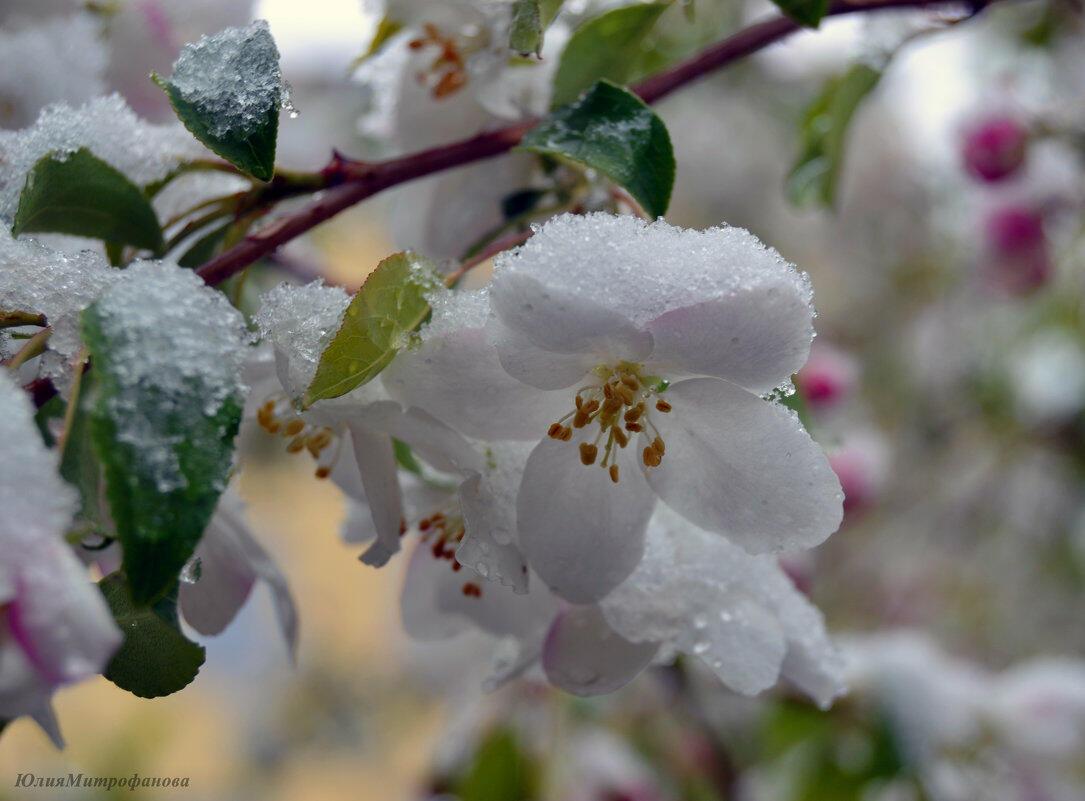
(405, 457)
(530, 19)
(612, 131)
(211, 113)
(501, 771)
(608, 47)
(813, 179)
(390, 304)
(79, 464)
(155, 658)
(805, 12)
(159, 527)
(80, 194)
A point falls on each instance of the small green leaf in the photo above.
(79, 464)
(501, 771)
(155, 658)
(613, 131)
(391, 303)
(80, 194)
(608, 47)
(386, 29)
(227, 90)
(530, 19)
(405, 457)
(805, 12)
(159, 525)
(813, 179)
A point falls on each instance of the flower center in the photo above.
(277, 417)
(446, 532)
(621, 405)
(447, 73)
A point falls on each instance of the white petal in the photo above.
(563, 321)
(502, 563)
(743, 467)
(231, 560)
(434, 605)
(23, 691)
(377, 468)
(431, 439)
(584, 656)
(541, 369)
(756, 338)
(698, 594)
(60, 618)
(459, 379)
(580, 532)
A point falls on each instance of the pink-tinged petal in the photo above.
(231, 560)
(23, 691)
(756, 337)
(378, 470)
(581, 533)
(536, 367)
(562, 321)
(584, 656)
(744, 467)
(60, 618)
(459, 379)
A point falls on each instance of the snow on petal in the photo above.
(582, 533)
(583, 655)
(745, 468)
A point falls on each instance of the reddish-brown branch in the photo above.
(350, 182)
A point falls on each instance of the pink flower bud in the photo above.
(828, 377)
(995, 148)
(861, 464)
(1019, 260)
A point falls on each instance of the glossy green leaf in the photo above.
(155, 658)
(205, 246)
(530, 19)
(80, 194)
(608, 47)
(813, 179)
(247, 140)
(391, 303)
(158, 527)
(612, 130)
(805, 12)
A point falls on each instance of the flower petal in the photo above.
(743, 467)
(529, 364)
(459, 379)
(231, 560)
(60, 618)
(562, 321)
(584, 656)
(757, 337)
(431, 439)
(480, 550)
(580, 532)
(377, 468)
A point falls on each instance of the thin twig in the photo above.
(499, 245)
(350, 182)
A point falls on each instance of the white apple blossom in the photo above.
(349, 437)
(657, 335)
(55, 627)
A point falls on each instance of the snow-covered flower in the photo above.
(693, 593)
(55, 627)
(351, 437)
(657, 338)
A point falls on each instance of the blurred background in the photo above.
(947, 382)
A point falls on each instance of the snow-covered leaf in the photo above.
(227, 89)
(613, 131)
(167, 353)
(82, 195)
